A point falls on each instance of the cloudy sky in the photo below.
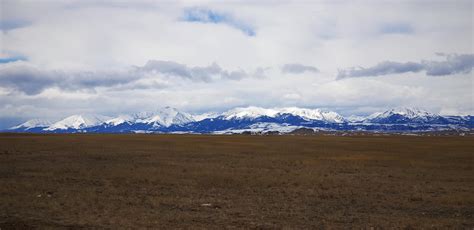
(59, 58)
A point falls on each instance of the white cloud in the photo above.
(298, 68)
(84, 51)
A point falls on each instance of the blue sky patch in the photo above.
(11, 59)
(203, 15)
(6, 25)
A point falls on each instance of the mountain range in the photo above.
(250, 119)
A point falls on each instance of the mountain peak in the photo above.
(248, 112)
(33, 123)
(402, 115)
(78, 121)
(203, 116)
(314, 114)
(308, 114)
(408, 112)
(168, 116)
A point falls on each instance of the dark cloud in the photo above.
(383, 68)
(170, 68)
(206, 73)
(25, 79)
(452, 65)
(31, 80)
(298, 68)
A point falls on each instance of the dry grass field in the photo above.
(264, 182)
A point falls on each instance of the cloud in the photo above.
(298, 68)
(204, 15)
(383, 68)
(206, 73)
(292, 96)
(453, 64)
(31, 80)
(170, 68)
(396, 28)
(98, 39)
(25, 78)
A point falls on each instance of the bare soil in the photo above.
(264, 182)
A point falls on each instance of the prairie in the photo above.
(235, 181)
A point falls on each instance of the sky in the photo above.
(59, 58)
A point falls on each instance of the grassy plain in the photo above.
(238, 181)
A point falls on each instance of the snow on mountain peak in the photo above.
(248, 112)
(250, 118)
(407, 112)
(78, 121)
(119, 120)
(33, 123)
(203, 116)
(355, 118)
(165, 116)
(313, 114)
(168, 116)
(310, 114)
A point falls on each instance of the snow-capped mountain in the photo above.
(169, 116)
(31, 124)
(78, 122)
(355, 118)
(202, 116)
(120, 120)
(405, 115)
(313, 114)
(308, 114)
(163, 117)
(253, 119)
(250, 112)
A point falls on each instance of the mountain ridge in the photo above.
(251, 118)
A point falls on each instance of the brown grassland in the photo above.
(238, 181)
